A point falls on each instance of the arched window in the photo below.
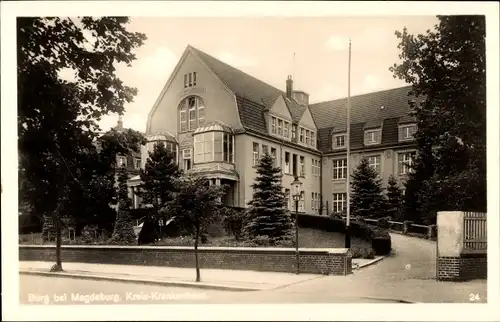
(191, 113)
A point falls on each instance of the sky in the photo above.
(264, 47)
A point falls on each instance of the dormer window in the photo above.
(339, 141)
(280, 127)
(294, 132)
(407, 131)
(372, 136)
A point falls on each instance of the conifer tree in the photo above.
(267, 214)
(367, 199)
(159, 177)
(394, 199)
(123, 233)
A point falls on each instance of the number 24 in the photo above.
(474, 297)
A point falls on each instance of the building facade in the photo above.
(219, 121)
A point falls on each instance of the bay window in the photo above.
(213, 147)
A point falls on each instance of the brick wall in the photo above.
(313, 261)
(465, 267)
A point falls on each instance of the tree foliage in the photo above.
(159, 177)
(197, 205)
(123, 233)
(367, 198)
(57, 116)
(394, 199)
(267, 214)
(447, 68)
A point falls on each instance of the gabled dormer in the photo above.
(279, 119)
(307, 134)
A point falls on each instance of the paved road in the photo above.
(55, 290)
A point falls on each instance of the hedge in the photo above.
(378, 237)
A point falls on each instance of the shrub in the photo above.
(365, 253)
(89, 235)
(124, 231)
(262, 240)
(324, 223)
(232, 221)
(149, 232)
(382, 245)
(384, 223)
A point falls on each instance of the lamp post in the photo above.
(297, 194)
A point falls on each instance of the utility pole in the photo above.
(348, 159)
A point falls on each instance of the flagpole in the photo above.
(348, 159)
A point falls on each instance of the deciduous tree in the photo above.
(57, 116)
(197, 203)
(447, 68)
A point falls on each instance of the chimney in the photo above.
(289, 87)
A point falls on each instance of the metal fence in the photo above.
(475, 240)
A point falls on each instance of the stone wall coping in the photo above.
(189, 248)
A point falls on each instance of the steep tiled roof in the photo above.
(384, 109)
(296, 110)
(240, 83)
(364, 108)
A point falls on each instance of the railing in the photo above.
(475, 238)
(417, 230)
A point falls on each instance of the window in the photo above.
(255, 154)
(302, 202)
(265, 149)
(138, 163)
(186, 156)
(339, 202)
(339, 141)
(294, 132)
(183, 116)
(189, 80)
(313, 139)
(280, 127)
(201, 115)
(315, 201)
(273, 155)
(302, 134)
(287, 198)
(228, 148)
(287, 162)
(295, 164)
(191, 114)
(122, 161)
(339, 169)
(372, 137)
(286, 129)
(273, 125)
(374, 162)
(316, 168)
(318, 202)
(203, 147)
(405, 161)
(407, 131)
(302, 166)
(308, 137)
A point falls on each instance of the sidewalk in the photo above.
(230, 280)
